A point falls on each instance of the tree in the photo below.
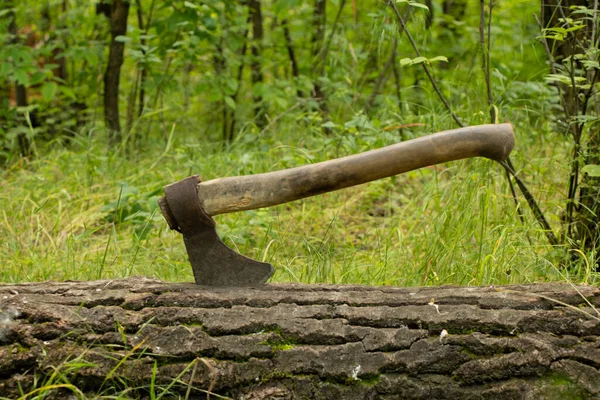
(117, 12)
(570, 34)
(256, 67)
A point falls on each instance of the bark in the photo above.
(119, 11)
(291, 341)
(256, 67)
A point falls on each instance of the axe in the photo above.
(188, 205)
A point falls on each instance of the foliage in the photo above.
(571, 42)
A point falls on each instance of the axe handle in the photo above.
(250, 192)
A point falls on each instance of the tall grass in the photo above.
(82, 212)
(86, 213)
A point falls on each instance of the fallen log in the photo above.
(143, 338)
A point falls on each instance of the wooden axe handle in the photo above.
(250, 192)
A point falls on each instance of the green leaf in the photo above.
(232, 84)
(68, 92)
(49, 90)
(329, 125)
(6, 11)
(418, 5)
(592, 170)
(5, 69)
(575, 28)
(123, 39)
(230, 102)
(438, 58)
(91, 58)
(412, 61)
(558, 78)
(21, 77)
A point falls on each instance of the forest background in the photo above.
(101, 105)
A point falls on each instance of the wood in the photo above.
(239, 193)
(285, 341)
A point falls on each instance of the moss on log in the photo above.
(144, 338)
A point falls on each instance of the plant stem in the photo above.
(539, 215)
(425, 68)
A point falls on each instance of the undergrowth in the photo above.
(85, 213)
(80, 211)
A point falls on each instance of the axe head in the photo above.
(213, 263)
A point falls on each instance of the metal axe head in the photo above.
(213, 263)
(189, 204)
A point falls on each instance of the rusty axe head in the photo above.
(213, 263)
(188, 205)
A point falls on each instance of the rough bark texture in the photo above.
(303, 341)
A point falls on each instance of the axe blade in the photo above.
(213, 263)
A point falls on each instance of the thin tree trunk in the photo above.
(256, 66)
(318, 42)
(241, 54)
(61, 71)
(119, 11)
(292, 54)
(220, 67)
(140, 75)
(293, 341)
(144, 73)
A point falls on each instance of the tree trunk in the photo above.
(119, 11)
(318, 42)
(62, 71)
(589, 198)
(256, 67)
(291, 341)
(292, 54)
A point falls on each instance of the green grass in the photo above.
(81, 212)
(84, 213)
